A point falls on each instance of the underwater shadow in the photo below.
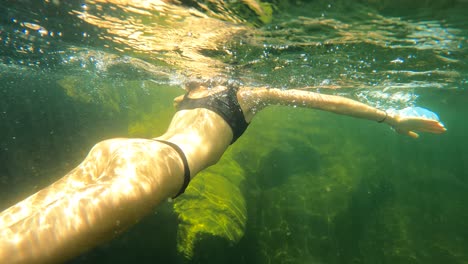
(351, 225)
(281, 163)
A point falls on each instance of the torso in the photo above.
(203, 134)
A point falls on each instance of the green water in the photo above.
(301, 186)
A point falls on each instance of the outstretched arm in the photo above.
(262, 97)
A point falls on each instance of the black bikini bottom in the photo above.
(184, 161)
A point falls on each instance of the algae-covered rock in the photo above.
(298, 185)
(103, 93)
(152, 110)
(330, 189)
(145, 107)
(213, 205)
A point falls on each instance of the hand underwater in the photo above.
(410, 120)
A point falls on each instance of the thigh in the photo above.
(86, 173)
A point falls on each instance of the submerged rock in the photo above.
(212, 205)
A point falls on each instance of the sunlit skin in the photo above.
(121, 179)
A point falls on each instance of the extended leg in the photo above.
(119, 182)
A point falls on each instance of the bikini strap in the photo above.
(224, 104)
(184, 161)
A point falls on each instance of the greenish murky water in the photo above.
(301, 186)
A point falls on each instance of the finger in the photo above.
(441, 127)
(433, 129)
(436, 124)
(438, 130)
(408, 133)
(431, 126)
(412, 134)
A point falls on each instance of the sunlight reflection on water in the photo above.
(337, 48)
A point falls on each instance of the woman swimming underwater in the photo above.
(121, 179)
